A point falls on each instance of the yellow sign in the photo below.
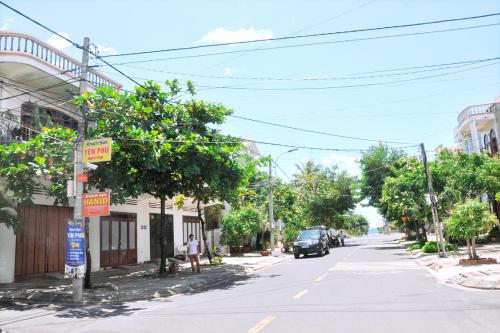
(98, 150)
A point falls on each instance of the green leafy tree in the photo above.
(376, 164)
(468, 220)
(42, 163)
(404, 196)
(467, 175)
(324, 194)
(8, 213)
(155, 134)
(213, 172)
(240, 224)
(355, 224)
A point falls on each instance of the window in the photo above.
(493, 143)
(33, 116)
(487, 142)
(190, 225)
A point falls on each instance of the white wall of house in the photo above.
(7, 254)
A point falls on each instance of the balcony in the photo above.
(16, 44)
(473, 110)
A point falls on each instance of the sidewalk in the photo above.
(141, 281)
(447, 270)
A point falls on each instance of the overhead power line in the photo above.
(40, 89)
(428, 68)
(346, 86)
(399, 26)
(317, 132)
(305, 44)
(72, 43)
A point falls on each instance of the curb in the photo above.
(119, 298)
(461, 279)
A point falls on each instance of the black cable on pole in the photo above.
(72, 42)
(302, 45)
(42, 25)
(307, 36)
(429, 68)
(317, 132)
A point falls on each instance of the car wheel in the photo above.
(296, 255)
(321, 251)
(327, 250)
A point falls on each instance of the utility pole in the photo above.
(435, 217)
(77, 212)
(271, 212)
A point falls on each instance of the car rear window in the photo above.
(307, 234)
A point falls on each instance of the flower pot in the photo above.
(264, 253)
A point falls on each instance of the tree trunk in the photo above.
(423, 231)
(473, 245)
(469, 248)
(203, 236)
(258, 241)
(87, 283)
(163, 243)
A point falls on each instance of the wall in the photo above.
(7, 254)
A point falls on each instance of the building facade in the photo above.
(477, 128)
(36, 77)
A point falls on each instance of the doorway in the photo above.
(118, 239)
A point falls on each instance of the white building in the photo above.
(477, 128)
(32, 73)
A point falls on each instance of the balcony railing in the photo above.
(17, 43)
(473, 110)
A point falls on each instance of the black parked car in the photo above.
(313, 240)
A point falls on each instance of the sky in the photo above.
(356, 84)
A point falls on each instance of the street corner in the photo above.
(480, 280)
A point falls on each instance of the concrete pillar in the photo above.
(474, 135)
(143, 232)
(95, 242)
(7, 254)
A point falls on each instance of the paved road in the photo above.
(367, 286)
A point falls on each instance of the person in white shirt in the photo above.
(192, 247)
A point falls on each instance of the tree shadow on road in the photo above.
(107, 302)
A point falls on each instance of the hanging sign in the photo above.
(82, 178)
(98, 150)
(75, 249)
(96, 204)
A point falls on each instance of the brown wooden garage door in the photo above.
(41, 240)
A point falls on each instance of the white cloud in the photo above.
(229, 71)
(344, 162)
(106, 50)
(221, 35)
(6, 23)
(58, 42)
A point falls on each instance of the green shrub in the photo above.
(217, 260)
(415, 246)
(430, 247)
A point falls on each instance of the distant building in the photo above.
(477, 128)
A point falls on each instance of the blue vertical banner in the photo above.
(75, 249)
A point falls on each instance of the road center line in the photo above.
(261, 324)
(321, 277)
(300, 294)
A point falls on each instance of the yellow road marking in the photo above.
(300, 294)
(261, 324)
(321, 277)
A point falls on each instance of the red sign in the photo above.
(82, 178)
(96, 204)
